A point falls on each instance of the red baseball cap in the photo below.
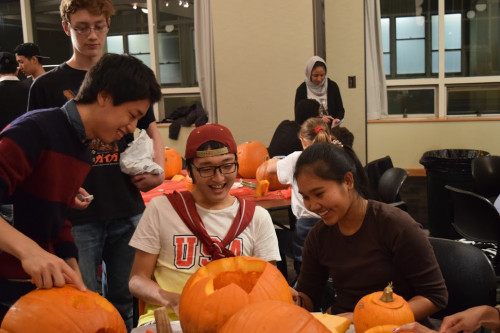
(206, 133)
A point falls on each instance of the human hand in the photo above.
(147, 181)
(413, 327)
(47, 271)
(471, 320)
(82, 199)
(328, 119)
(171, 300)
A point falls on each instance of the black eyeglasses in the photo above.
(85, 31)
(209, 171)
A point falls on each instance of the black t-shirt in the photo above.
(285, 139)
(13, 101)
(115, 196)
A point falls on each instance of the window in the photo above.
(11, 32)
(471, 58)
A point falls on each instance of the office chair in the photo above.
(475, 218)
(374, 170)
(486, 176)
(468, 274)
(389, 186)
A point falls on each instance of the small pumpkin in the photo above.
(63, 310)
(272, 178)
(272, 316)
(382, 329)
(381, 308)
(218, 290)
(173, 162)
(250, 156)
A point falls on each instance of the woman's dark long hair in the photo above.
(331, 162)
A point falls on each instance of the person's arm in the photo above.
(472, 319)
(146, 181)
(422, 307)
(45, 269)
(143, 287)
(271, 166)
(302, 300)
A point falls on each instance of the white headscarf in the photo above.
(317, 92)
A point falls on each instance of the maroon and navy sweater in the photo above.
(43, 162)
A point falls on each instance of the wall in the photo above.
(345, 56)
(406, 142)
(261, 48)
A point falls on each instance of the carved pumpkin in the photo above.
(381, 329)
(218, 290)
(62, 310)
(273, 316)
(381, 308)
(272, 178)
(250, 156)
(173, 162)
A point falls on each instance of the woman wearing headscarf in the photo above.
(319, 87)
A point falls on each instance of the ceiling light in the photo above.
(134, 5)
(180, 2)
(144, 10)
(167, 4)
(481, 5)
(186, 4)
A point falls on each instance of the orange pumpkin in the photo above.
(218, 290)
(250, 156)
(173, 162)
(273, 316)
(272, 178)
(62, 310)
(381, 329)
(381, 308)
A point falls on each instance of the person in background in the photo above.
(343, 135)
(13, 101)
(469, 320)
(30, 61)
(103, 230)
(184, 231)
(44, 159)
(363, 245)
(285, 139)
(319, 87)
(13, 93)
(312, 131)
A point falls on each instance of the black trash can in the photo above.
(446, 167)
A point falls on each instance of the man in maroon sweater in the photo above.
(44, 159)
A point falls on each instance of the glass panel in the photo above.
(409, 27)
(386, 43)
(176, 43)
(48, 32)
(174, 102)
(435, 61)
(387, 64)
(138, 44)
(115, 44)
(410, 56)
(477, 31)
(411, 101)
(11, 33)
(452, 61)
(434, 32)
(452, 31)
(478, 100)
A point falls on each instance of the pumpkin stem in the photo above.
(387, 294)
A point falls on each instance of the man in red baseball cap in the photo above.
(180, 232)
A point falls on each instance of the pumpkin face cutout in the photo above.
(250, 156)
(221, 288)
(274, 183)
(273, 316)
(173, 162)
(62, 310)
(381, 308)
